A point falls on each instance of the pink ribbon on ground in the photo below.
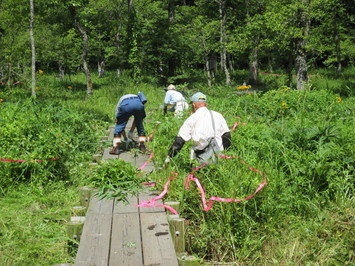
(17, 82)
(145, 164)
(152, 202)
(237, 123)
(207, 207)
(10, 160)
(191, 177)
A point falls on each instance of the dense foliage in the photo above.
(116, 179)
(172, 39)
(302, 140)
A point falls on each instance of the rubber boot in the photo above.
(142, 147)
(116, 145)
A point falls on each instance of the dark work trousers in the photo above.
(130, 106)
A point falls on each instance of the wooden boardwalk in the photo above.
(118, 234)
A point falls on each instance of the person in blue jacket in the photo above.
(128, 105)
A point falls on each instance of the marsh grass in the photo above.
(32, 224)
(302, 140)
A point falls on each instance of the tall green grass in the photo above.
(302, 140)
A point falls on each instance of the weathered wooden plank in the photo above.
(158, 248)
(126, 246)
(121, 207)
(112, 129)
(95, 239)
(103, 206)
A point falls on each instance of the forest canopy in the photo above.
(172, 40)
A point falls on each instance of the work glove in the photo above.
(167, 160)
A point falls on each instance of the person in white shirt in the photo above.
(175, 100)
(207, 129)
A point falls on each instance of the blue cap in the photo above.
(198, 97)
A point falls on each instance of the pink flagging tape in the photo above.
(152, 202)
(10, 160)
(17, 82)
(152, 184)
(145, 164)
(206, 206)
(237, 124)
(150, 137)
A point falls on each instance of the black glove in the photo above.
(176, 146)
(226, 140)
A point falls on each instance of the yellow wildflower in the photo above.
(70, 87)
(284, 105)
(40, 72)
(243, 87)
(339, 99)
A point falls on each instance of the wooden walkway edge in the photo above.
(118, 234)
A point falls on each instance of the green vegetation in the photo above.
(302, 140)
(116, 179)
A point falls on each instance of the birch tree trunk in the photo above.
(61, 69)
(301, 55)
(223, 37)
(118, 46)
(253, 65)
(85, 58)
(101, 67)
(33, 50)
(337, 47)
(208, 70)
(171, 20)
(253, 57)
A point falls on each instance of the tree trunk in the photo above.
(301, 55)
(61, 69)
(289, 69)
(208, 70)
(101, 68)
(130, 5)
(223, 37)
(253, 65)
(85, 58)
(171, 11)
(337, 47)
(118, 46)
(9, 76)
(33, 50)
(171, 20)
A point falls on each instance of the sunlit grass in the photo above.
(304, 215)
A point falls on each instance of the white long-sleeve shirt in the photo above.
(173, 96)
(198, 127)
